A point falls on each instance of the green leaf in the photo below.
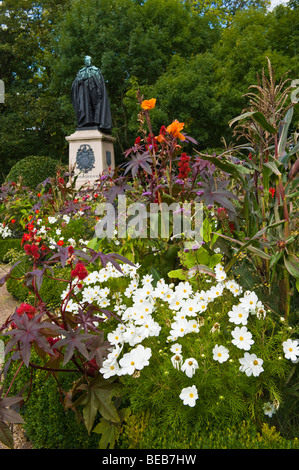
(228, 167)
(241, 117)
(275, 258)
(93, 244)
(297, 284)
(262, 121)
(178, 274)
(286, 157)
(202, 269)
(98, 398)
(6, 436)
(273, 167)
(109, 434)
(258, 117)
(294, 93)
(284, 132)
(207, 230)
(292, 264)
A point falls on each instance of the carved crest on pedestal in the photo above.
(85, 158)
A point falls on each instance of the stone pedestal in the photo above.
(91, 153)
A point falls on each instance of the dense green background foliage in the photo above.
(197, 59)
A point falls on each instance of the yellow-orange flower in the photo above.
(148, 104)
(174, 129)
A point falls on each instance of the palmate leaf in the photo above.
(98, 348)
(216, 192)
(119, 188)
(6, 276)
(73, 341)
(98, 398)
(27, 331)
(87, 318)
(139, 161)
(10, 416)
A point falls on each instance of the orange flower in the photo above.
(148, 104)
(174, 129)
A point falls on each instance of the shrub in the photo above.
(143, 431)
(33, 170)
(50, 290)
(48, 424)
(15, 286)
(8, 249)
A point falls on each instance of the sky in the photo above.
(274, 3)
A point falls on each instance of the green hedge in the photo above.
(144, 431)
(33, 170)
(6, 245)
(47, 424)
(50, 290)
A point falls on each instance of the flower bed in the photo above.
(160, 321)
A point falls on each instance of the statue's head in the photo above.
(87, 60)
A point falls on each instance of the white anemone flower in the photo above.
(109, 368)
(176, 348)
(183, 290)
(136, 359)
(249, 301)
(190, 307)
(242, 338)
(216, 291)
(193, 326)
(238, 315)
(291, 349)
(115, 337)
(189, 367)
(179, 328)
(177, 360)
(269, 409)
(220, 353)
(189, 395)
(251, 365)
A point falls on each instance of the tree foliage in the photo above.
(196, 58)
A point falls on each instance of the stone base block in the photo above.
(91, 154)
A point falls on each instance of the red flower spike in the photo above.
(80, 271)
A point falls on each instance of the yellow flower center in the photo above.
(191, 395)
(255, 362)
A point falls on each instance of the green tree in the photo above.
(29, 119)
(129, 42)
(225, 10)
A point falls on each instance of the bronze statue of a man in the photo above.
(90, 99)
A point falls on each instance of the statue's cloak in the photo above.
(90, 100)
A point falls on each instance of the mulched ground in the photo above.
(7, 307)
